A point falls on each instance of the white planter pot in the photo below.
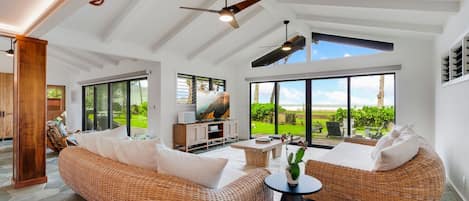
(291, 182)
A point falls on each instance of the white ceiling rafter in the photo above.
(77, 55)
(55, 17)
(122, 20)
(433, 29)
(416, 5)
(247, 43)
(180, 26)
(72, 68)
(225, 33)
(71, 59)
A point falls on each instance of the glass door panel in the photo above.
(119, 104)
(329, 111)
(102, 107)
(89, 108)
(291, 108)
(372, 105)
(262, 109)
(138, 107)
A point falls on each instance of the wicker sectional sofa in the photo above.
(98, 178)
(422, 178)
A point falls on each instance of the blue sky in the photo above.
(364, 89)
(327, 50)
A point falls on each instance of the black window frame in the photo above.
(194, 85)
(308, 104)
(109, 109)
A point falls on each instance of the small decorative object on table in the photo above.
(263, 140)
(293, 169)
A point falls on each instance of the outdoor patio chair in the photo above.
(333, 129)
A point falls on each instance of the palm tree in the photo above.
(381, 92)
(256, 93)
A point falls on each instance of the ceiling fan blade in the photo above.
(200, 9)
(236, 8)
(234, 23)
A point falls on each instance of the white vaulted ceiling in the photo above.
(151, 29)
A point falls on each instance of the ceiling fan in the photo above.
(284, 51)
(227, 13)
(96, 2)
(10, 52)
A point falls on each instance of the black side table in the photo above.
(306, 185)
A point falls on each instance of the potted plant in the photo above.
(294, 159)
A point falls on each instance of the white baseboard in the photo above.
(456, 189)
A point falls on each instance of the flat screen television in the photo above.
(212, 105)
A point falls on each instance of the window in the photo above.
(325, 110)
(326, 46)
(188, 85)
(55, 101)
(115, 104)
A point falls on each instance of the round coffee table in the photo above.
(306, 185)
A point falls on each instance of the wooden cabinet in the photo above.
(188, 137)
(6, 105)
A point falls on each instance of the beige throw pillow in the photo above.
(139, 153)
(404, 148)
(198, 169)
(89, 141)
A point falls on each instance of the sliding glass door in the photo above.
(138, 107)
(115, 104)
(372, 105)
(291, 108)
(329, 111)
(324, 111)
(263, 109)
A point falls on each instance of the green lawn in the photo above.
(319, 117)
(137, 121)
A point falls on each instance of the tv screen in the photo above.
(212, 105)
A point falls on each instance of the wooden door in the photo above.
(226, 129)
(234, 128)
(6, 105)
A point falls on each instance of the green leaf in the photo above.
(295, 171)
(290, 158)
(299, 155)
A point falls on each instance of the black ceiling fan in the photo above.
(227, 13)
(284, 51)
(10, 52)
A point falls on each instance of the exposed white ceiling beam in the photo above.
(416, 5)
(225, 33)
(174, 31)
(247, 43)
(68, 59)
(93, 58)
(73, 69)
(122, 20)
(435, 29)
(76, 55)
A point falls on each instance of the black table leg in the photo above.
(287, 197)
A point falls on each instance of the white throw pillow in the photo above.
(140, 153)
(404, 148)
(198, 169)
(385, 141)
(89, 141)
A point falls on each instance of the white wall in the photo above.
(6, 64)
(452, 107)
(163, 109)
(414, 98)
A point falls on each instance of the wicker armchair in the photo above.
(422, 178)
(56, 141)
(98, 178)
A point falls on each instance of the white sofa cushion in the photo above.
(404, 148)
(89, 141)
(198, 169)
(350, 155)
(140, 153)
